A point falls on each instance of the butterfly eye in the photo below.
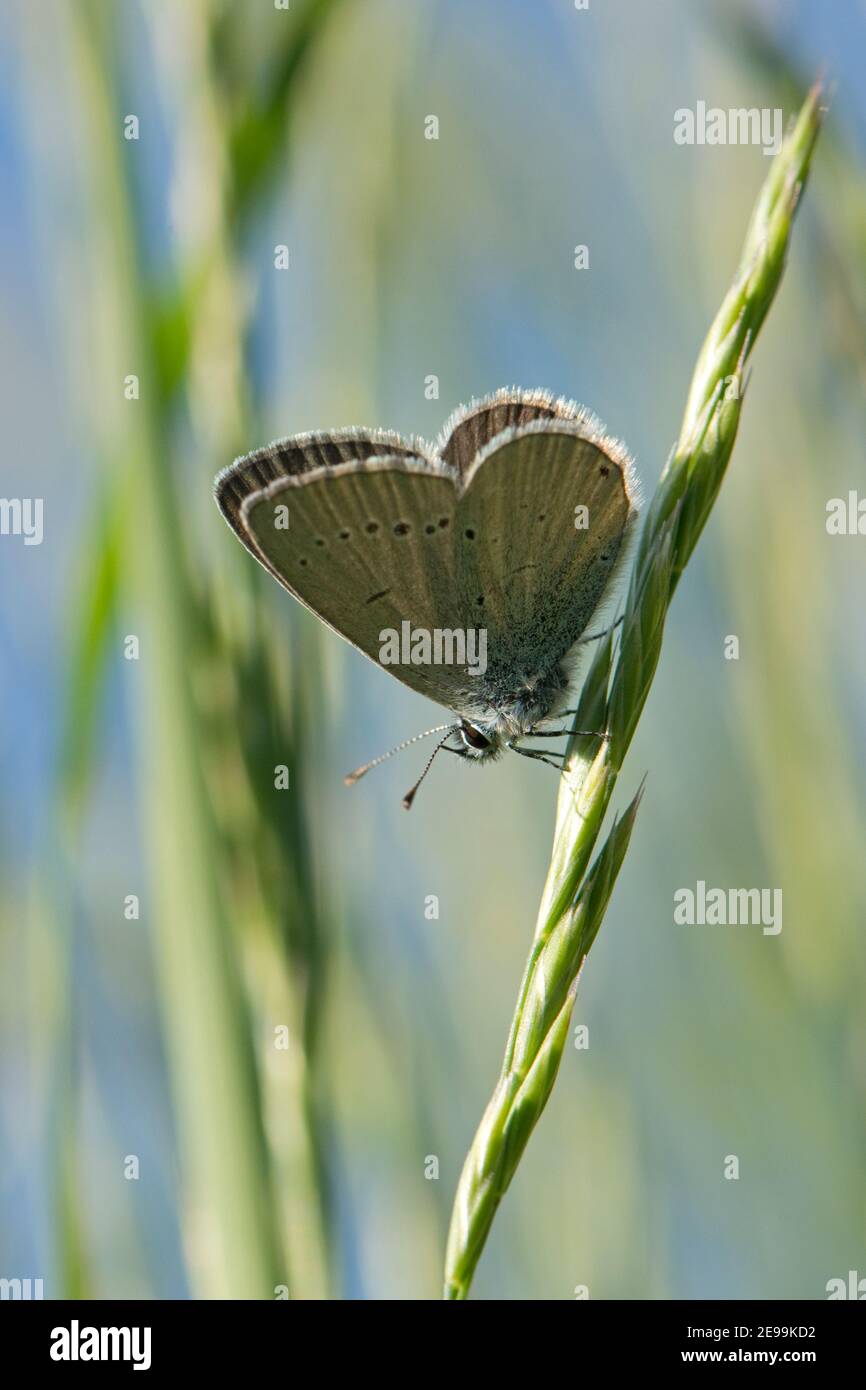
(474, 737)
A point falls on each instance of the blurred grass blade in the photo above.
(95, 613)
(258, 137)
(231, 1226)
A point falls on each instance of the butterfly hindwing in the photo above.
(472, 427)
(542, 521)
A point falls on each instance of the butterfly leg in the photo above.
(531, 753)
(594, 636)
(562, 733)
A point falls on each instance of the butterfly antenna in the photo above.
(359, 772)
(410, 795)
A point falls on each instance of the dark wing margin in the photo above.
(293, 457)
(472, 427)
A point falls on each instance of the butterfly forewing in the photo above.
(297, 458)
(370, 548)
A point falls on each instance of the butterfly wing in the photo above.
(370, 532)
(297, 458)
(473, 427)
(369, 546)
(544, 513)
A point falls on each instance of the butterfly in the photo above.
(512, 525)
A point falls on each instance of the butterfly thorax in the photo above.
(513, 703)
(506, 711)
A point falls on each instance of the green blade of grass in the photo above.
(231, 1231)
(577, 891)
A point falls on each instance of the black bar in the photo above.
(270, 1337)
